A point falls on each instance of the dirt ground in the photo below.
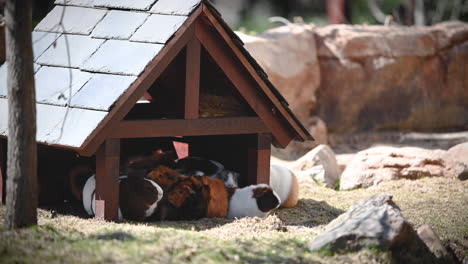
(64, 236)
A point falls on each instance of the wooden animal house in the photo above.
(112, 73)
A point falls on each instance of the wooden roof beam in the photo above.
(195, 127)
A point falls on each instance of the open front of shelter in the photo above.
(115, 76)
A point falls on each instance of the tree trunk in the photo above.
(336, 11)
(21, 194)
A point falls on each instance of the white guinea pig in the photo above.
(284, 183)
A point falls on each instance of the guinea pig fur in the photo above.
(139, 197)
(285, 184)
(217, 196)
(253, 201)
(186, 200)
(77, 179)
(148, 162)
(164, 177)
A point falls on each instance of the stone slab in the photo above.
(119, 25)
(70, 51)
(158, 28)
(122, 57)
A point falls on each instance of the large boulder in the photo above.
(288, 55)
(459, 156)
(323, 156)
(385, 163)
(393, 78)
(375, 222)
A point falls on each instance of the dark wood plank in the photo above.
(196, 127)
(144, 82)
(3, 162)
(212, 18)
(192, 79)
(247, 87)
(258, 155)
(107, 180)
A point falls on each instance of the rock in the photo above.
(433, 242)
(316, 173)
(393, 78)
(343, 160)
(375, 222)
(459, 156)
(385, 163)
(321, 155)
(288, 54)
(296, 149)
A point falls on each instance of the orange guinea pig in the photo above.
(164, 177)
(181, 192)
(218, 197)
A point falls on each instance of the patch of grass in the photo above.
(282, 237)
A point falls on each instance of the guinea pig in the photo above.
(230, 178)
(254, 201)
(77, 178)
(204, 167)
(145, 163)
(217, 196)
(138, 197)
(285, 184)
(164, 177)
(186, 200)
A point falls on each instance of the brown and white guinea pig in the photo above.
(253, 201)
(285, 184)
(138, 197)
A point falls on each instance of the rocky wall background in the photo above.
(343, 79)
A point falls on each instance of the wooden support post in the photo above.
(3, 162)
(258, 156)
(192, 79)
(107, 180)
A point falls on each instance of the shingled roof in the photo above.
(88, 53)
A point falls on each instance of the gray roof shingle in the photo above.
(56, 85)
(58, 125)
(175, 7)
(158, 28)
(125, 4)
(71, 19)
(42, 41)
(119, 24)
(70, 51)
(110, 88)
(122, 57)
